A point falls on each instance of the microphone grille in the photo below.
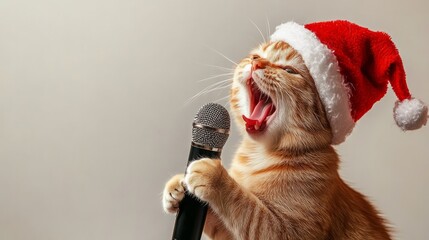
(215, 119)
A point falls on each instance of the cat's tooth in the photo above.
(257, 125)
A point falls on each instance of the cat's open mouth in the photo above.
(261, 108)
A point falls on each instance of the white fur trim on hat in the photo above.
(323, 67)
(410, 114)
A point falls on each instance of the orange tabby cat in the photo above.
(284, 181)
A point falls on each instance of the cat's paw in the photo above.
(203, 177)
(173, 194)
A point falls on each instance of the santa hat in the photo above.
(351, 67)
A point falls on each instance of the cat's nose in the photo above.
(259, 63)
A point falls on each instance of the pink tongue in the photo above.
(261, 111)
(256, 121)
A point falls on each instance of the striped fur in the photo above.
(284, 183)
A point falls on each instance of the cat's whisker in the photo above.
(216, 76)
(218, 67)
(259, 30)
(221, 99)
(199, 93)
(211, 88)
(226, 80)
(297, 89)
(217, 88)
(283, 97)
(218, 83)
(222, 55)
(268, 27)
(226, 103)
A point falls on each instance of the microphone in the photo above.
(210, 130)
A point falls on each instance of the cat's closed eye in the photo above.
(254, 56)
(290, 70)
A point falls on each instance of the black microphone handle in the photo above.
(192, 211)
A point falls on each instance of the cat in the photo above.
(283, 182)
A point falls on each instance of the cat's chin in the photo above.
(258, 136)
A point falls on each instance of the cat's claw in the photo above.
(174, 192)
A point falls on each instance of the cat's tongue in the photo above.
(257, 120)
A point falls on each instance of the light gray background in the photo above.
(93, 118)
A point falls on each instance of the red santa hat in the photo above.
(351, 67)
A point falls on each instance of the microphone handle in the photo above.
(192, 211)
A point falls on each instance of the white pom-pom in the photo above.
(410, 114)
